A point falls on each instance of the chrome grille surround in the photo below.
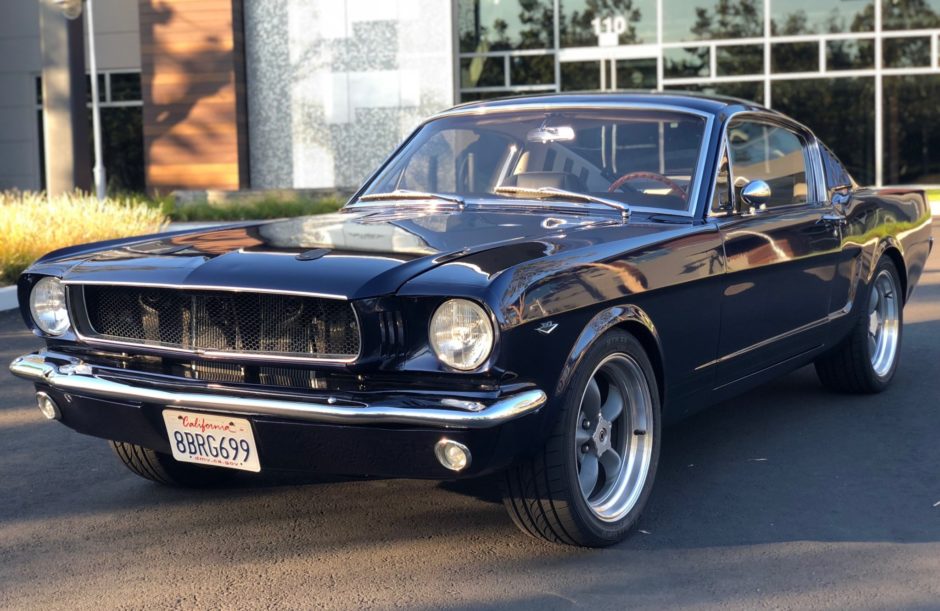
(218, 322)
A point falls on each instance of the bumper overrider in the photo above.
(394, 437)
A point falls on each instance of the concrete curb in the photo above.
(8, 298)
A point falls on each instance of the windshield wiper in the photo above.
(408, 194)
(552, 192)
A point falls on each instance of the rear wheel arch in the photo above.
(865, 360)
(894, 253)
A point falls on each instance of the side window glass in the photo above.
(838, 178)
(760, 151)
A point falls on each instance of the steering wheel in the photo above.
(673, 187)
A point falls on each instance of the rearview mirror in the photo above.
(545, 134)
(756, 194)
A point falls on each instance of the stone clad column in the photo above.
(335, 85)
(65, 118)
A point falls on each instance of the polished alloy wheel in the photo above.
(884, 327)
(614, 437)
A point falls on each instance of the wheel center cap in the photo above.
(873, 323)
(601, 436)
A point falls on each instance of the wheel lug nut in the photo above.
(586, 424)
(585, 448)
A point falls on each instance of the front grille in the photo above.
(232, 373)
(222, 321)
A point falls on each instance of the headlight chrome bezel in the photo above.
(47, 297)
(487, 339)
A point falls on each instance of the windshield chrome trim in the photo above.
(536, 106)
(696, 184)
(493, 202)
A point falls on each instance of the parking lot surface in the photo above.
(787, 497)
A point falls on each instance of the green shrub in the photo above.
(933, 195)
(241, 211)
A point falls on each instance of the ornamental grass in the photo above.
(32, 224)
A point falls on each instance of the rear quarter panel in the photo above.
(879, 220)
(882, 218)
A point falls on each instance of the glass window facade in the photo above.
(911, 129)
(842, 114)
(793, 17)
(121, 130)
(622, 22)
(498, 25)
(712, 19)
(862, 74)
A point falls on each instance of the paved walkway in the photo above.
(7, 298)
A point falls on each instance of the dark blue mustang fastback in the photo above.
(528, 286)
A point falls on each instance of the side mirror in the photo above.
(756, 194)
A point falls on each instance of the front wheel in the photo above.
(865, 361)
(591, 480)
(164, 469)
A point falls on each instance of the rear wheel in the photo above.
(164, 469)
(590, 482)
(865, 361)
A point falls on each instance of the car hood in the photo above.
(356, 254)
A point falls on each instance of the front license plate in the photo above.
(217, 441)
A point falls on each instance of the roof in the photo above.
(712, 104)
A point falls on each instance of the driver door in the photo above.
(781, 255)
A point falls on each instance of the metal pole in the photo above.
(95, 103)
(768, 94)
(879, 100)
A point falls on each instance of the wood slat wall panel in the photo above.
(195, 114)
(195, 133)
(188, 97)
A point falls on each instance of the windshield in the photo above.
(642, 158)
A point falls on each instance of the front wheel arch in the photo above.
(629, 318)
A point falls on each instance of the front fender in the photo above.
(602, 322)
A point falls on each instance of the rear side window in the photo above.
(837, 177)
(776, 155)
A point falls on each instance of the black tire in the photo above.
(164, 469)
(542, 493)
(848, 366)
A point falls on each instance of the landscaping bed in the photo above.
(33, 224)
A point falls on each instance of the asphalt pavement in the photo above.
(788, 497)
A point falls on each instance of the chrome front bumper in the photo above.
(76, 376)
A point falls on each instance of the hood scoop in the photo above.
(313, 254)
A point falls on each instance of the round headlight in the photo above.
(461, 334)
(47, 305)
